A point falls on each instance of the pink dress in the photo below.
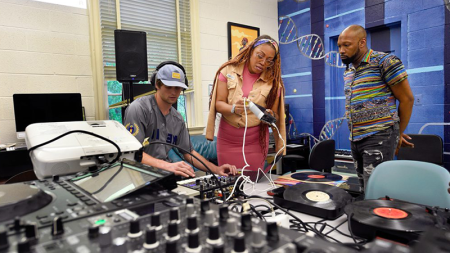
(230, 138)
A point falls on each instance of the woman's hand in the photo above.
(239, 107)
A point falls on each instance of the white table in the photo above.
(260, 189)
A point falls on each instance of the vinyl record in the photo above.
(317, 195)
(391, 215)
(316, 176)
(20, 199)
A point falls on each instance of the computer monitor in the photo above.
(45, 107)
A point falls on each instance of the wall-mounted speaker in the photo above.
(131, 56)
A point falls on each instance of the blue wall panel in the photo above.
(425, 19)
(426, 38)
(417, 29)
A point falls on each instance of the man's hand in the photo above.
(404, 143)
(181, 169)
(226, 170)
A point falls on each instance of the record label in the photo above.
(317, 196)
(390, 213)
(316, 177)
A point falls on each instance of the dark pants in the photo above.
(373, 150)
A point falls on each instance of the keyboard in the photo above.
(343, 154)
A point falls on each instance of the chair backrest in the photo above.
(413, 181)
(321, 157)
(427, 148)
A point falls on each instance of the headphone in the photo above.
(153, 78)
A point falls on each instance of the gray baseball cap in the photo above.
(172, 75)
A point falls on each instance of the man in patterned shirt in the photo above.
(373, 81)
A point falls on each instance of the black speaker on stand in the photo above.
(131, 60)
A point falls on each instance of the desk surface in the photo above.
(261, 188)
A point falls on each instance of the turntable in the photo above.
(319, 200)
(393, 219)
(21, 199)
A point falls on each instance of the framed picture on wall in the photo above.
(238, 36)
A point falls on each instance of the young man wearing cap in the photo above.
(153, 116)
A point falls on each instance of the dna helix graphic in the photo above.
(310, 45)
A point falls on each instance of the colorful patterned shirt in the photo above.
(370, 104)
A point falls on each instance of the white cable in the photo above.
(245, 178)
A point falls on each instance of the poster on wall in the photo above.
(239, 36)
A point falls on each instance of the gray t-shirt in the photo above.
(143, 119)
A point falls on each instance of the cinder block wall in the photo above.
(44, 48)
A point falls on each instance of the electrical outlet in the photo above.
(418, 99)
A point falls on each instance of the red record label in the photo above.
(390, 213)
(316, 176)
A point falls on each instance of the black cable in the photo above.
(119, 153)
(279, 207)
(213, 175)
(109, 180)
(260, 216)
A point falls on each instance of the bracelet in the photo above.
(234, 107)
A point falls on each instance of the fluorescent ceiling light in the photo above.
(71, 3)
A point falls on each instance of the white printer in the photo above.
(76, 152)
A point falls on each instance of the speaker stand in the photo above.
(127, 95)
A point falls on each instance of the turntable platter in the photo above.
(20, 199)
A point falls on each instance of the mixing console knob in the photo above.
(105, 237)
(93, 232)
(31, 231)
(209, 217)
(24, 246)
(193, 243)
(231, 227)
(3, 238)
(258, 238)
(239, 243)
(272, 232)
(17, 224)
(218, 248)
(192, 223)
(190, 200)
(155, 220)
(223, 212)
(246, 222)
(172, 231)
(204, 206)
(171, 247)
(150, 239)
(135, 229)
(174, 214)
(57, 226)
(190, 209)
(213, 234)
(120, 245)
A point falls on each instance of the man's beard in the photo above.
(349, 60)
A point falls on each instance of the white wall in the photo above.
(213, 18)
(44, 48)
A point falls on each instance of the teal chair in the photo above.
(413, 181)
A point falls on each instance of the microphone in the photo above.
(261, 114)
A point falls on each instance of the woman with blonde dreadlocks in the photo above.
(254, 74)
